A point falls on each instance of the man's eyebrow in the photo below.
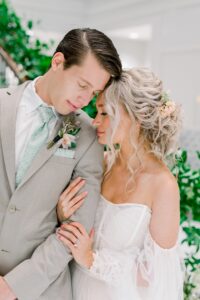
(100, 105)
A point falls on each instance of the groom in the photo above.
(34, 172)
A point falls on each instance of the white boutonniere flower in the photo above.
(68, 133)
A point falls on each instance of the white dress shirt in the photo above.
(27, 120)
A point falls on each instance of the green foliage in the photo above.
(189, 185)
(19, 44)
(91, 108)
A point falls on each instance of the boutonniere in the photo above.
(68, 132)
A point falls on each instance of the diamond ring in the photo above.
(76, 243)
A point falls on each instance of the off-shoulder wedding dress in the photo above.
(128, 264)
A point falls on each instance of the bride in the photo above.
(132, 253)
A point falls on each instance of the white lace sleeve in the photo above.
(109, 265)
(162, 270)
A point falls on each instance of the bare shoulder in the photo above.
(167, 189)
(164, 225)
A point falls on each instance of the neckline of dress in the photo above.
(127, 203)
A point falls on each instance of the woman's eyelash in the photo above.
(104, 114)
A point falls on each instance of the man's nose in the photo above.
(85, 99)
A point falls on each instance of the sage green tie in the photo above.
(37, 139)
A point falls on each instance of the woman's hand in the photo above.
(69, 200)
(79, 242)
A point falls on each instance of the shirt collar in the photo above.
(32, 100)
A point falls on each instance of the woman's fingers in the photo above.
(71, 186)
(68, 212)
(76, 199)
(77, 206)
(74, 185)
(68, 208)
(73, 230)
(70, 195)
(68, 235)
(69, 204)
(80, 227)
(91, 234)
(66, 242)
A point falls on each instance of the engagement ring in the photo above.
(76, 243)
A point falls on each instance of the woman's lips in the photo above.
(100, 133)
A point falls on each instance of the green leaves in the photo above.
(30, 24)
(17, 42)
(193, 237)
(189, 185)
(91, 108)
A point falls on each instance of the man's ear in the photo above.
(57, 61)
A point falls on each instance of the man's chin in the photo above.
(63, 112)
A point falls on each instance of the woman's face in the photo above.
(102, 122)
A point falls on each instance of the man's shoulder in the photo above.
(86, 123)
(10, 90)
(4, 92)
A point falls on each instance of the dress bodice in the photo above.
(121, 226)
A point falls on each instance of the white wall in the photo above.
(175, 56)
(132, 53)
(56, 17)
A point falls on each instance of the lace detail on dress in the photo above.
(110, 266)
(161, 269)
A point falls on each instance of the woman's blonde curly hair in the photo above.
(141, 93)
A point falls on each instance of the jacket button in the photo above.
(12, 209)
(5, 251)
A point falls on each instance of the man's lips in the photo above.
(74, 107)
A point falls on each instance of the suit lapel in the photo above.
(8, 125)
(43, 155)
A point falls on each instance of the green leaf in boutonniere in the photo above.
(68, 132)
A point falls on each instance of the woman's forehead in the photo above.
(100, 100)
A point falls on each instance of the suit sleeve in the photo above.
(33, 276)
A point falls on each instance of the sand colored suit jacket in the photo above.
(32, 260)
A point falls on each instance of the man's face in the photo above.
(73, 88)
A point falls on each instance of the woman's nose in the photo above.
(96, 121)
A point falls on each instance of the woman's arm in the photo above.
(160, 267)
(164, 225)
